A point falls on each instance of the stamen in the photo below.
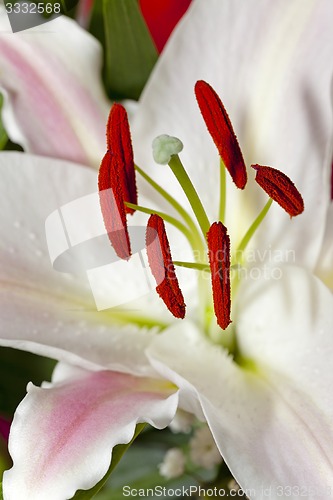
(112, 206)
(199, 266)
(250, 232)
(219, 260)
(120, 144)
(168, 218)
(161, 265)
(280, 188)
(220, 128)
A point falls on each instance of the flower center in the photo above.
(210, 242)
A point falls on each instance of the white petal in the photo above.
(62, 436)
(51, 312)
(285, 327)
(54, 101)
(268, 439)
(262, 59)
(324, 267)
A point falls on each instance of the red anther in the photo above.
(162, 268)
(220, 128)
(120, 144)
(112, 206)
(219, 260)
(280, 188)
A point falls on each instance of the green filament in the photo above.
(170, 199)
(199, 266)
(181, 175)
(250, 232)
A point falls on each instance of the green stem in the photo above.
(250, 232)
(192, 265)
(180, 173)
(223, 191)
(168, 218)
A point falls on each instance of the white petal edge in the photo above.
(62, 436)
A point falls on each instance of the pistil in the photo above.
(165, 151)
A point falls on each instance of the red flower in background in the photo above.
(162, 16)
(4, 428)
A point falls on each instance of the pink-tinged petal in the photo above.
(50, 310)
(273, 428)
(54, 100)
(62, 436)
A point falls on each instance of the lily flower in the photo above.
(263, 384)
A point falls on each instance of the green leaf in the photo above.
(17, 368)
(130, 50)
(117, 454)
(3, 135)
(96, 26)
(139, 471)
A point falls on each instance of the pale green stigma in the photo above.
(164, 147)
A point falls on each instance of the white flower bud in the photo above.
(173, 464)
(203, 450)
(182, 422)
(233, 485)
